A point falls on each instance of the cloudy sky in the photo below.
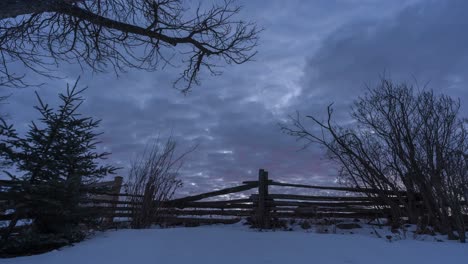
(311, 53)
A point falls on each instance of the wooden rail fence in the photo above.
(262, 208)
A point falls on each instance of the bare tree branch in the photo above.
(122, 34)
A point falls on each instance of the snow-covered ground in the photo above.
(239, 244)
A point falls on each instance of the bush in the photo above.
(153, 180)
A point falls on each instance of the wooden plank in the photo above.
(117, 214)
(212, 194)
(104, 211)
(334, 188)
(92, 200)
(208, 212)
(215, 205)
(320, 198)
(114, 194)
(328, 215)
(238, 213)
(329, 204)
(203, 209)
(242, 203)
(108, 208)
(340, 210)
(329, 209)
(182, 221)
(211, 203)
(233, 201)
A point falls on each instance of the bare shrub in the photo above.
(411, 146)
(153, 179)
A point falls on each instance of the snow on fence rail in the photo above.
(262, 208)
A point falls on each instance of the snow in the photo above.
(239, 244)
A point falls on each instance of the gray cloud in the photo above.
(311, 53)
(426, 42)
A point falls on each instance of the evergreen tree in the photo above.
(55, 163)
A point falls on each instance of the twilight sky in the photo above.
(311, 53)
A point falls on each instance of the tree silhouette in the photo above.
(122, 34)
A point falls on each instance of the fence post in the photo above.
(116, 186)
(263, 212)
(115, 189)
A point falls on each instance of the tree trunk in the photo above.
(14, 8)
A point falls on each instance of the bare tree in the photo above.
(410, 145)
(153, 179)
(121, 34)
